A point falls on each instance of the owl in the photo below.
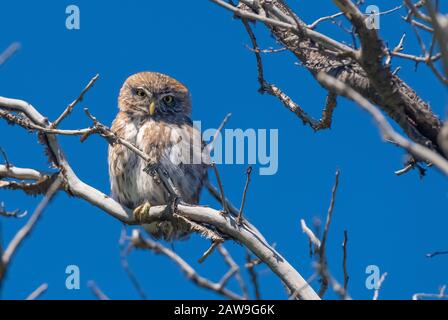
(154, 115)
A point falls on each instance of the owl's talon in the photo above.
(142, 212)
(171, 208)
(175, 203)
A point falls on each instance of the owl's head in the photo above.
(152, 94)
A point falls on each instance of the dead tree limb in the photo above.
(227, 225)
(362, 69)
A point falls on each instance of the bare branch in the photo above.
(224, 203)
(275, 91)
(337, 288)
(250, 265)
(344, 260)
(417, 13)
(211, 145)
(243, 201)
(5, 157)
(311, 236)
(97, 292)
(330, 212)
(440, 24)
(9, 52)
(334, 16)
(436, 253)
(38, 292)
(441, 295)
(326, 41)
(26, 230)
(70, 107)
(11, 214)
(144, 243)
(209, 251)
(386, 129)
(12, 119)
(323, 264)
(21, 173)
(326, 18)
(361, 69)
(232, 209)
(246, 235)
(233, 268)
(405, 170)
(376, 293)
(124, 252)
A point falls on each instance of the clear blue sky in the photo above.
(392, 221)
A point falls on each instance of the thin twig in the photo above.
(233, 266)
(124, 252)
(224, 203)
(250, 265)
(209, 251)
(405, 170)
(70, 107)
(387, 131)
(5, 157)
(330, 211)
(294, 295)
(11, 214)
(112, 137)
(26, 230)
(269, 50)
(38, 292)
(435, 254)
(97, 292)
(376, 293)
(9, 52)
(440, 22)
(211, 144)
(311, 236)
(344, 260)
(25, 123)
(332, 17)
(440, 295)
(296, 28)
(322, 19)
(322, 253)
(144, 243)
(417, 13)
(243, 201)
(233, 210)
(266, 87)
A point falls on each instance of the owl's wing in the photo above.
(182, 161)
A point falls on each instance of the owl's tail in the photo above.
(168, 230)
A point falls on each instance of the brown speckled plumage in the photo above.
(167, 136)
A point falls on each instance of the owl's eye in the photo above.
(140, 92)
(168, 99)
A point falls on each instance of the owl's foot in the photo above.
(171, 207)
(142, 211)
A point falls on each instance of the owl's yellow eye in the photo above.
(168, 99)
(140, 92)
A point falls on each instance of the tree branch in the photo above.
(139, 242)
(201, 215)
(363, 70)
(388, 133)
(38, 292)
(26, 230)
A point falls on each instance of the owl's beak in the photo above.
(152, 108)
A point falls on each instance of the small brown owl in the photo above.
(154, 114)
